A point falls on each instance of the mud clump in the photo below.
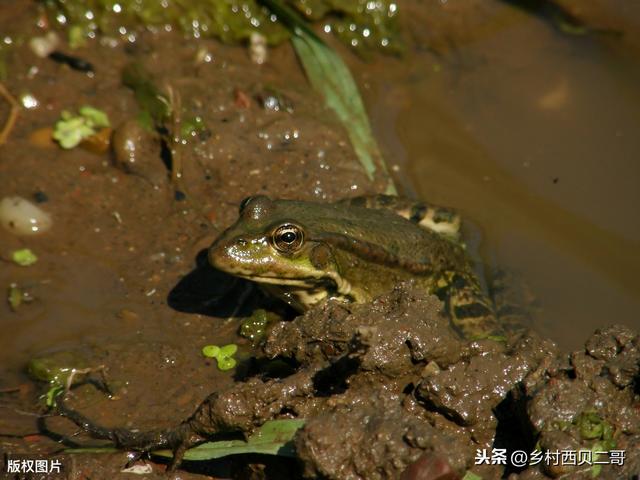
(388, 390)
(372, 436)
(414, 390)
(592, 403)
(396, 391)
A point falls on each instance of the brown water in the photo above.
(533, 135)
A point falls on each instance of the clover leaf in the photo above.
(223, 355)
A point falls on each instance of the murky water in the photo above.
(533, 135)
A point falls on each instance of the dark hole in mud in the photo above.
(409, 389)
(165, 154)
(264, 466)
(333, 380)
(265, 368)
(514, 431)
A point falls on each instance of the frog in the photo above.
(355, 250)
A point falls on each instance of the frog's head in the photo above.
(270, 243)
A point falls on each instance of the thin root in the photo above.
(14, 107)
(175, 103)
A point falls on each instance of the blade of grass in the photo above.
(273, 438)
(329, 76)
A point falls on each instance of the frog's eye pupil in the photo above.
(288, 238)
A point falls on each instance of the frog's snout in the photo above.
(237, 255)
(217, 253)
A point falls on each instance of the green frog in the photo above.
(354, 250)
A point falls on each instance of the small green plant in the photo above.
(72, 129)
(24, 257)
(223, 355)
(275, 437)
(52, 393)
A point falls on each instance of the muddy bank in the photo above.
(389, 391)
(124, 241)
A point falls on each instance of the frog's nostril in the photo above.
(242, 242)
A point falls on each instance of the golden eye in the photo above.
(287, 237)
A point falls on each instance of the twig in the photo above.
(14, 107)
(10, 389)
(175, 103)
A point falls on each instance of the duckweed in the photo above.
(24, 257)
(71, 129)
(223, 355)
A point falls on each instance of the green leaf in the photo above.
(226, 363)
(191, 127)
(592, 426)
(329, 76)
(51, 395)
(150, 99)
(273, 438)
(24, 257)
(471, 476)
(94, 117)
(14, 297)
(77, 36)
(228, 350)
(211, 351)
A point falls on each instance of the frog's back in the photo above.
(378, 234)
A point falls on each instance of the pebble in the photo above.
(22, 217)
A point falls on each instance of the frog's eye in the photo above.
(288, 237)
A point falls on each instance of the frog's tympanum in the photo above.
(354, 250)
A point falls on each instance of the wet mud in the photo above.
(121, 288)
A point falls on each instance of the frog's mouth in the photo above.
(332, 282)
(309, 282)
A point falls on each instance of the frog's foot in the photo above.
(471, 312)
(482, 324)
